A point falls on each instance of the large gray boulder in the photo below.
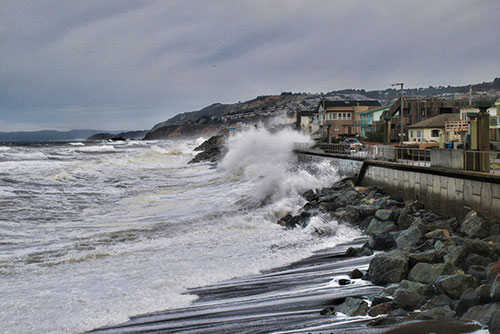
(495, 290)
(429, 272)
(494, 323)
(468, 299)
(455, 285)
(390, 267)
(380, 227)
(410, 295)
(441, 312)
(411, 237)
(353, 306)
(474, 226)
(481, 313)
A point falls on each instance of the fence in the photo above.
(482, 161)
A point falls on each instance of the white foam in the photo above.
(77, 144)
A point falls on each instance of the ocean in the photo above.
(93, 233)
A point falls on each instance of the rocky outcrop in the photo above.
(445, 267)
(212, 150)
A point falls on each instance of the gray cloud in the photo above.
(130, 64)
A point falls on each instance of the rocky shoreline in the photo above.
(433, 267)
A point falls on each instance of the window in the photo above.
(411, 133)
(330, 116)
(435, 133)
(419, 133)
(349, 115)
(406, 112)
(344, 115)
(335, 116)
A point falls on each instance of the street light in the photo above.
(401, 110)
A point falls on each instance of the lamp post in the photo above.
(401, 111)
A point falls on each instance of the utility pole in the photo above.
(470, 95)
(401, 112)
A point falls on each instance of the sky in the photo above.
(126, 65)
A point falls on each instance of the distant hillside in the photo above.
(47, 135)
(263, 107)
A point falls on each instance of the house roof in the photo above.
(384, 108)
(436, 121)
(307, 113)
(368, 103)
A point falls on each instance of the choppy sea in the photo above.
(93, 233)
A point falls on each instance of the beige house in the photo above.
(430, 130)
(308, 123)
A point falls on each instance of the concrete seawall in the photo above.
(447, 191)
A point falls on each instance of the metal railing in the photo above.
(482, 161)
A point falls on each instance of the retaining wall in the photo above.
(446, 191)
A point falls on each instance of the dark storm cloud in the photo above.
(129, 64)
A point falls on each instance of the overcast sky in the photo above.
(130, 64)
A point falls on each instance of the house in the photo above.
(309, 123)
(371, 120)
(470, 113)
(431, 129)
(342, 118)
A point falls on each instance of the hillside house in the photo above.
(309, 123)
(371, 120)
(342, 118)
(430, 130)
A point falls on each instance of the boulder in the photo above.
(438, 234)
(410, 295)
(481, 313)
(484, 293)
(468, 299)
(381, 241)
(478, 260)
(495, 290)
(390, 267)
(479, 272)
(442, 312)
(349, 215)
(353, 306)
(356, 273)
(399, 313)
(328, 311)
(494, 323)
(429, 256)
(429, 272)
(455, 285)
(411, 237)
(479, 247)
(454, 255)
(344, 281)
(474, 226)
(380, 300)
(383, 308)
(384, 215)
(358, 251)
(310, 196)
(439, 300)
(442, 225)
(406, 217)
(380, 227)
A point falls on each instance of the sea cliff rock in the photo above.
(212, 150)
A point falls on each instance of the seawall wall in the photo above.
(451, 192)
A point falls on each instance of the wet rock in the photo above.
(440, 300)
(349, 215)
(212, 150)
(495, 290)
(344, 281)
(438, 234)
(385, 321)
(484, 293)
(406, 218)
(479, 247)
(383, 308)
(442, 225)
(310, 196)
(455, 285)
(384, 215)
(429, 272)
(380, 227)
(399, 313)
(411, 237)
(358, 251)
(481, 313)
(389, 290)
(454, 255)
(474, 226)
(475, 259)
(429, 256)
(353, 306)
(493, 271)
(442, 312)
(380, 300)
(390, 267)
(381, 241)
(356, 274)
(494, 323)
(328, 311)
(479, 272)
(468, 299)
(410, 295)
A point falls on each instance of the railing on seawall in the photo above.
(482, 161)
